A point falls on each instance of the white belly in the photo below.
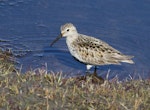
(72, 48)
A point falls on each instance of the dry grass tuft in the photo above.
(6, 62)
(51, 91)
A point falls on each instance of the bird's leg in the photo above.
(95, 73)
(88, 73)
(96, 77)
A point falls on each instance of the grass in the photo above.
(44, 91)
(6, 62)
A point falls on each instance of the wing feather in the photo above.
(96, 52)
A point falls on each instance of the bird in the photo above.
(90, 50)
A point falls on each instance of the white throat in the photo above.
(71, 38)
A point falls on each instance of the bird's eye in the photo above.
(67, 30)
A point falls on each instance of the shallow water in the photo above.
(29, 26)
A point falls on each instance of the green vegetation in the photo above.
(44, 91)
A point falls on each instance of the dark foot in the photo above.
(96, 78)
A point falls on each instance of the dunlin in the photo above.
(89, 50)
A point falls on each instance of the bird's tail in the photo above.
(127, 59)
(123, 58)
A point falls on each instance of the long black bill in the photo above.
(60, 36)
